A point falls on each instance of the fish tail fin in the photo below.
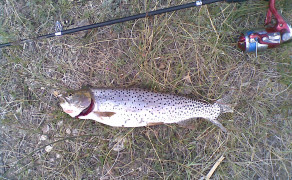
(225, 108)
(225, 102)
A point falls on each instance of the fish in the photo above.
(136, 107)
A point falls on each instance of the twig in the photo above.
(214, 167)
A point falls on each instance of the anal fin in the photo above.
(154, 123)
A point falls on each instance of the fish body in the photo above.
(137, 107)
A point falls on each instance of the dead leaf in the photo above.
(162, 66)
(188, 78)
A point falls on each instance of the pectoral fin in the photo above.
(104, 114)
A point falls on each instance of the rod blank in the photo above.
(120, 20)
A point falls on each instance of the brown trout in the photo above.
(137, 107)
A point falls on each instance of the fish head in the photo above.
(74, 102)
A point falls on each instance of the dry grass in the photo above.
(189, 52)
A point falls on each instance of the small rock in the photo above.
(245, 84)
(60, 123)
(58, 156)
(46, 129)
(118, 143)
(75, 132)
(43, 137)
(19, 110)
(48, 148)
(68, 131)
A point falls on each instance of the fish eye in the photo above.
(69, 96)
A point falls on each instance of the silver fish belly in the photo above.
(137, 107)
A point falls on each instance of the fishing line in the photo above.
(60, 32)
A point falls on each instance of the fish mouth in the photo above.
(60, 97)
(68, 111)
(87, 110)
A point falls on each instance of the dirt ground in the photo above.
(190, 52)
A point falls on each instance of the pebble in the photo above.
(68, 131)
(75, 132)
(60, 123)
(119, 143)
(48, 148)
(43, 137)
(46, 129)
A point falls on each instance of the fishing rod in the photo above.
(120, 20)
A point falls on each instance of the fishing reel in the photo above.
(270, 37)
